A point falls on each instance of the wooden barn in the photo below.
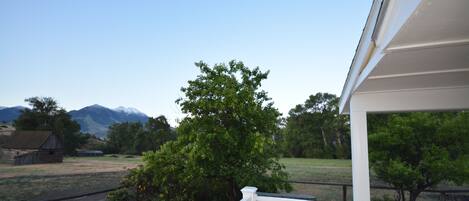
(32, 147)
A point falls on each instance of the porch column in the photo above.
(359, 140)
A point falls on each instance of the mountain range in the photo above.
(94, 119)
(9, 114)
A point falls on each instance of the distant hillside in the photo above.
(96, 119)
(9, 114)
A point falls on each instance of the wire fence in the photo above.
(445, 195)
(84, 195)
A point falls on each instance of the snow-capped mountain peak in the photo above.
(128, 110)
(96, 106)
(96, 119)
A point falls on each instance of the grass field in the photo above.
(75, 176)
(324, 170)
(319, 170)
(72, 165)
(336, 171)
(89, 174)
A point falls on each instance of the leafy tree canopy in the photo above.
(315, 129)
(121, 137)
(225, 142)
(415, 151)
(46, 114)
(136, 138)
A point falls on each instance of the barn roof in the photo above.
(27, 139)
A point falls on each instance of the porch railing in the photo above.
(250, 194)
(443, 193)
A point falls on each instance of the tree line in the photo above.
(122, 138)
(136, 138)
(312, 130)
(315, 129)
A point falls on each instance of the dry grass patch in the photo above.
(72, 165)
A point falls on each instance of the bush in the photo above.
(225, 143)
(122, 194)
(167, 175)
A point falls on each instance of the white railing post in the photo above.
(249, 193)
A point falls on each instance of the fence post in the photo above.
(443, 196)
(344, 192)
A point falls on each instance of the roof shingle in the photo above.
(27, 139)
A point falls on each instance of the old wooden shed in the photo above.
(32, 147)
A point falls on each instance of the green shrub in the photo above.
(122, 194)
(416, 151)
(225, 143)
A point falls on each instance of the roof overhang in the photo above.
(411, 45)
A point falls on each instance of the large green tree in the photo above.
(46, 114)
(315, 129)
(159, 132)
(415, 151)
(230, 127)
(121, 137)
(136, 138)
(224, 143)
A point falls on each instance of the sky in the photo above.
(140, 53)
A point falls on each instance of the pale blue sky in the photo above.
(140, 53)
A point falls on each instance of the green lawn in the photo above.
(319, 170)
(322, 170)
(332, 171)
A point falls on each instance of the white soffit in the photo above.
(427, 68)
(434, 22)
(431, 50)
(433, 59)
(422, 81)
